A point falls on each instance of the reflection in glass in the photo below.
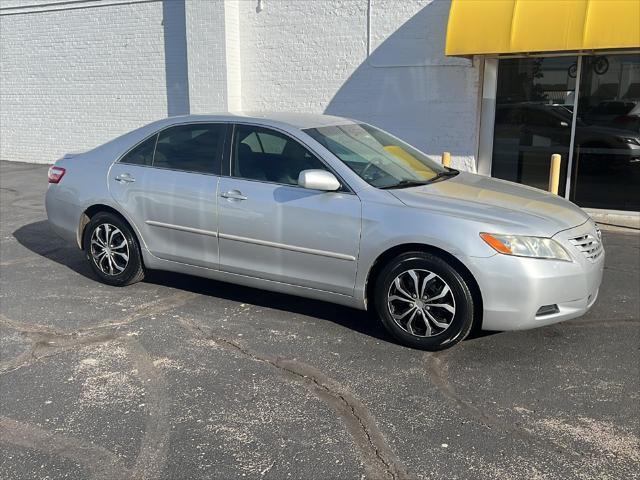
(534, 108)
(379, 158)
(606, 162)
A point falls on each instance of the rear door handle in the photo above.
(233, 195)
(125, 178)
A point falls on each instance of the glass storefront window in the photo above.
(606, 159)
(535, 101)
(534, 108)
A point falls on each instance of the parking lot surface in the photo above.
(181, 377)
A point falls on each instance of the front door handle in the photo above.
(125, 178)
(233, 195)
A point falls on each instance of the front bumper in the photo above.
(514, 288)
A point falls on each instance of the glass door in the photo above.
(534, 108)
(606, 158)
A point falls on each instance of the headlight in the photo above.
(520, 246)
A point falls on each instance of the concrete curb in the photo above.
(615, 218)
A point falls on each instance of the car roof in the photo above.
(290, 119)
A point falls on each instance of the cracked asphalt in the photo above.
(181, 377)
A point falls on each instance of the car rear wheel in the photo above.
(112, 250)
(424, 302)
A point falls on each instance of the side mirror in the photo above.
(318, 180)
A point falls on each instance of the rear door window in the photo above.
(191, 148)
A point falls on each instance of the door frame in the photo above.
(224, 234)
(141, 225)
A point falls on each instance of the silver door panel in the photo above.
(174, 211)
(290, 234)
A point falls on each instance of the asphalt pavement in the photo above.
(179, 377)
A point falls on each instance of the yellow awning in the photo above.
(522, 26)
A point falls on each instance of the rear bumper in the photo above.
(514, 289)
(63, 215)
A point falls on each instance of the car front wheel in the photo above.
(112, 250)
(424, 302)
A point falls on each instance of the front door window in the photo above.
(269, 156)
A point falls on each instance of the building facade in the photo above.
(75, 73)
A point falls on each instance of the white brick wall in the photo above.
(297, 54)
(76, 76)
(207, 56)
(312, 56)
(72, 79)
(232, 52)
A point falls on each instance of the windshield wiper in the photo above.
(447, 173)
(406, 183)
(417, 183)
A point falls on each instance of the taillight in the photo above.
(56, 174)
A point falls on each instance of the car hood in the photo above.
(607, 131)
(505, 206)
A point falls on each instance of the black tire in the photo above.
(133, 271)
(459, 294)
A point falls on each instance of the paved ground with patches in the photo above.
(179, 377)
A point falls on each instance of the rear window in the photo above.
(141, 154)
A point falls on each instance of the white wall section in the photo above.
(71, 79)
(74, 74)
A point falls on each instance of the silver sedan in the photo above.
(331, 209)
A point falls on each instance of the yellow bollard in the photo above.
(554, 173)
(446, 159)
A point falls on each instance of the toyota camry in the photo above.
(332, 209)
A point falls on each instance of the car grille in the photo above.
(589, 245)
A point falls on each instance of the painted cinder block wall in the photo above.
(73, 78)
(73, 75)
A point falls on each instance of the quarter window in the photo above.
(266, 155)
(142, 154)
(192, 148)
(272, 143)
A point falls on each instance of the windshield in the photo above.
(379, 158)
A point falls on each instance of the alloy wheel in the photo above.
(109, 249)
(421, 303)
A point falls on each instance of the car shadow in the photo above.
(351, 318)
(356, 320)
(40, 239)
